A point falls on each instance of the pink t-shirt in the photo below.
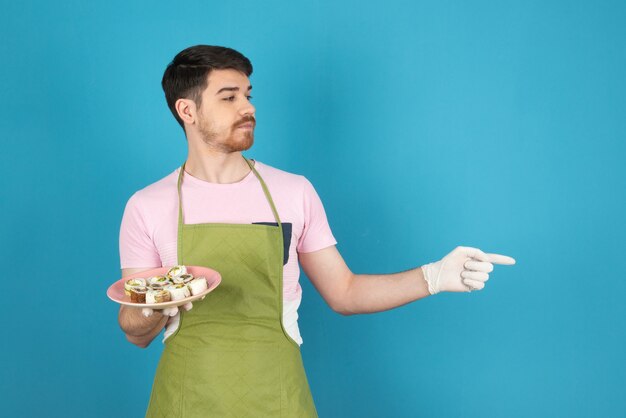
(149, 229)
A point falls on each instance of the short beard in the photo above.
(230, 145)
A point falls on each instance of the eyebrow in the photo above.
(230, 89)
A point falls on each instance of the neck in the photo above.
(217, 167)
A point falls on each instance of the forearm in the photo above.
(138, 327)
(368, 293)
(144, 340)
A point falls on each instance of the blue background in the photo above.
(422, 125)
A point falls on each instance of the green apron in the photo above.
(231, 356)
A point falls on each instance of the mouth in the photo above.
(246, 126)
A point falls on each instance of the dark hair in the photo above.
(186, 76)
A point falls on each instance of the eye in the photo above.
(249, 97)
(230, 99)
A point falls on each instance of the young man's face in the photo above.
(226, 116)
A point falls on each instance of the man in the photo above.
(236, 353)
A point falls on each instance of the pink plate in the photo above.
(116, 290)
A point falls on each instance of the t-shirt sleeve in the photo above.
(137, 248)
(317, 234)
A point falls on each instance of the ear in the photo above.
(186, 110)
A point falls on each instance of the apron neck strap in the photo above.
(266, 191)
(256, 173)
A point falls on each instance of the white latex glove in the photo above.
(463, 270)
(167, 311)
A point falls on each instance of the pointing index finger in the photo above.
(500, 259)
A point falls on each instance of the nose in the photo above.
(247, 109)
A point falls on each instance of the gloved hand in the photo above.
(463, 270)
(171, 311)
